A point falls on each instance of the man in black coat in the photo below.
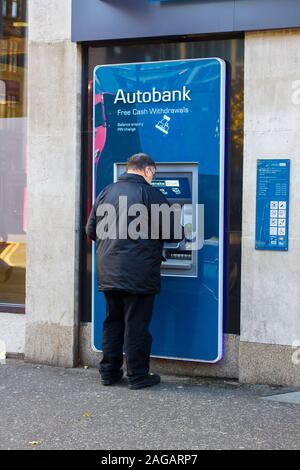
(129, 256)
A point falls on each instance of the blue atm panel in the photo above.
(175, 112)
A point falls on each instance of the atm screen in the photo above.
(174, 188)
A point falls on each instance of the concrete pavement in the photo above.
(51, 408)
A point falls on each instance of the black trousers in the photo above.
(128, 317)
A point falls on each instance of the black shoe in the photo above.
(107, 382)
(147, 381)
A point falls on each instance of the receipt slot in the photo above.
(178, 182)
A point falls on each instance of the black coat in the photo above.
(129, 265)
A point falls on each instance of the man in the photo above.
(128, 271)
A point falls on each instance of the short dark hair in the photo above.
(140, 161)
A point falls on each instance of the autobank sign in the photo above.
(154, 96)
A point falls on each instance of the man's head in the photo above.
(141, 164)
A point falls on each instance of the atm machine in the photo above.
(178, 182)
(187, 138)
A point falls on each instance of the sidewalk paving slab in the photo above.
(53, 408)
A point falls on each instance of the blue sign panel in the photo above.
(272, 213)
(175, 112)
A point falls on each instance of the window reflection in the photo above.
(13, 130)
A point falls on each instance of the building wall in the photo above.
(54, 83)
(270, 281)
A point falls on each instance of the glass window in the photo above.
(231, 50)
(13, 130)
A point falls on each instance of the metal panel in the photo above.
(272, 206)
(116, 19)
(271, 14)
